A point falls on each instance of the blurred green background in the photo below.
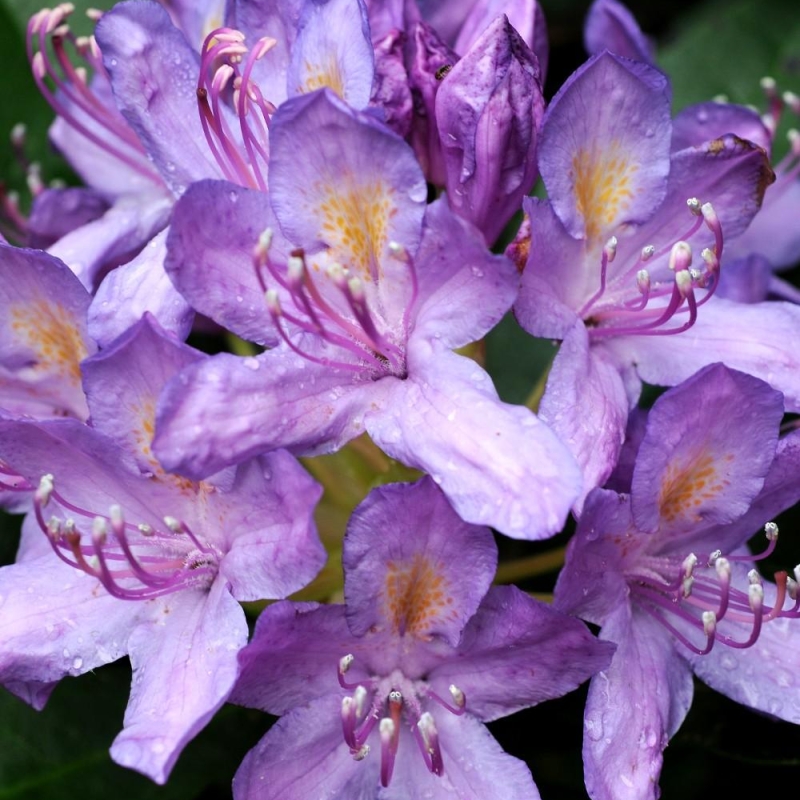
(707, 48)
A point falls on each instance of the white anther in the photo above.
(713, 557)
(273, 302)
(680, 257)
(767, 83)
(797, 573)
(689, 563)
(686, 588)
(295, 269)
(693, 204)
(791, 587)
(791, 99)
(754, 578)
(69, 527)
(643, 281)
(648, 251)
(115, 514)
(719, 98)
(345, 662)
(710, 257)
(755, 594)
(145, 529)
(386, 727)
(99, 530)
(709, 215)
(427, 727)
(356, 287)
(395, 696)
(337, 273)
(360, 699)
(263, 46)
(793, 135)
(94, 14)
(695, 274)
(265, 240)
(709, 623)
(611, 249)
(348, 706)
(173, 524)
(361, 753)
(458, 696)
(54, 528)
(723, 567)
(683, 280)
(18, 134)
(82, 75)
(44, 490)
(396, 250)
(771, 531)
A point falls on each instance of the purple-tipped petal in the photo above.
(116, 237)
(703, 122)
(139, 287)
(304, 755)
(633, 709)
(488, 112)
(48, 608)
(592, 585)
(273, 547)
(293, 657)
(428, 572)
(215, 228)
(610, 26)
(154, 76)
(455, 272)
(475, 766)
(56, 212)
(333, 49)
(604, 147)
(709, 444)
(517, 652)
(184, 667)
(123, 382)
(497, 463)
(586, 406)
(758, 338)
(229, 408)
(43, 335)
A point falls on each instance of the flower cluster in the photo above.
(322, 190)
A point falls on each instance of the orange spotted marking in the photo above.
(52, 334)
(686, 488)
(603, 187)
(318, 76)
(416, 596)
(356, 223)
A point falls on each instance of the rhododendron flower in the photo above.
(424, 652)
(666, 572)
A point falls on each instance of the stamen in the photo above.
(389, 734)
(429, 743)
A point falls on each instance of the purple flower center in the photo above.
(694, 598)
(391, 702)
(133, 562)
(65, 86)
(659, 298)
(226, 71)
(333, 305)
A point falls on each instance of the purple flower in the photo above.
(424, 651)
(666, 572)
(624, 259)
(611, 26)
(365, 313)
(43, 336)
(119, 557)
(771, 242)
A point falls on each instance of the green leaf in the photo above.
(61, 753)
